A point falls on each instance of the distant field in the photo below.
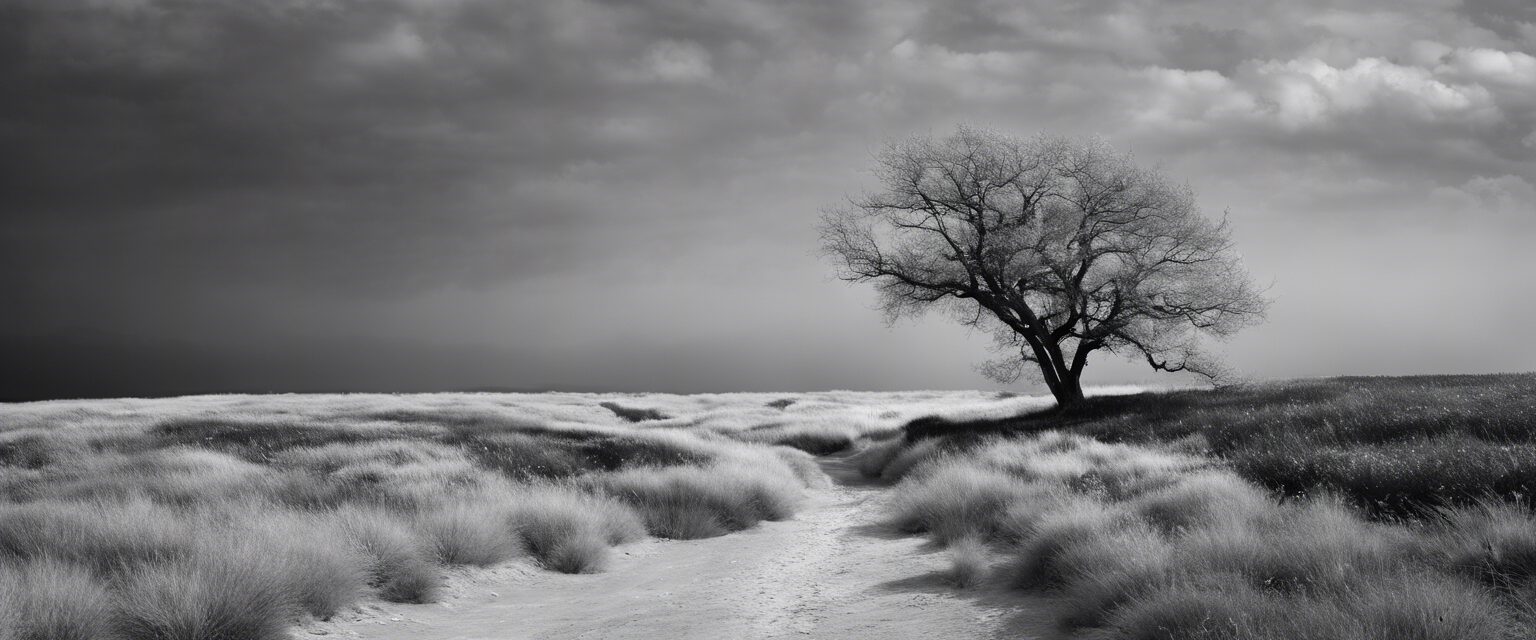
(1330, 509)
(238, 516)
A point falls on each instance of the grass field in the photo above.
(1329, 509)
(237, 516)
(1324, 509)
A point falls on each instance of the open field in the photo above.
(237, 516)
(1167, 515)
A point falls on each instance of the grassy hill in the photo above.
(1398, 446)
(1324, 509)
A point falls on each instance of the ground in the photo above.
(832, 572)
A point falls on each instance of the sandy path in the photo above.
(829, 573)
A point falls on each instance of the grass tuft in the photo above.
(967, 562)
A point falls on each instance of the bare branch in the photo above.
(1058, 247)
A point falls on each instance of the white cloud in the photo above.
(1190, 98)
(398, 44)
(1307, 94)
(1507, 67)
(1506, 195)
(1312, 92)
(676, 61)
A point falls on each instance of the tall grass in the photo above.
(1141, 542)
(1395, 447)
(235, 517)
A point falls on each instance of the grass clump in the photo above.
(687, 503)
(206, 596)
(569, 530)
(45, 597)
(397, 568)
(468, 533)
(967, 562)
(955, 501)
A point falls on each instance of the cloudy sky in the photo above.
(203, 195)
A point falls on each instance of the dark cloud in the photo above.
(534, 189)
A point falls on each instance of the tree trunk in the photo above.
(1068, 391)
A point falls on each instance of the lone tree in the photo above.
(1056, 247)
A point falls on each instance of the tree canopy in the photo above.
(1056, 247)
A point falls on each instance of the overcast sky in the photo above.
(201, 195)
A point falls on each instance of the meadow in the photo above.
(1317, 509)
(1327, 509)
(240, 516)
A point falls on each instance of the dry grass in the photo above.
(235, 593)
(236, 516)
(968, 559)
(45, 597)
(1144, 542)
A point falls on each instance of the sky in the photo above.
(407, 195)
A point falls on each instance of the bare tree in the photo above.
(1057, 247)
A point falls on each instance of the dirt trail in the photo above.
(831, 572)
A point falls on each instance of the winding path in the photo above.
(831, 572)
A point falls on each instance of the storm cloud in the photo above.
(201, 195)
